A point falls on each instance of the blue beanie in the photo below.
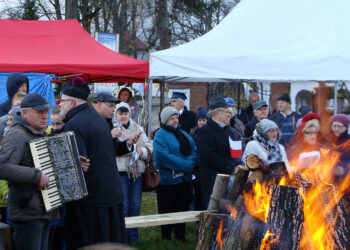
(230, 101)
(202, 112)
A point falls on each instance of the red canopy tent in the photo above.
(63, 48)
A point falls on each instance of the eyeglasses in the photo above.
(110, 105)
(311, 133)
(334, 126)
(226, 111)
(64, 100)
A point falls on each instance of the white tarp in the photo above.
(274, 40)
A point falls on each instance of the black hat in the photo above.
(259, 104)
(35, 101)
(76, 88)
(179, 95)
(105, 97)
(218, 103)
(284, 97)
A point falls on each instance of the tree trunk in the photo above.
(246, 233)
(219, 192)
(163, 24)
(208, 233)
(72, 9)
(285, 217)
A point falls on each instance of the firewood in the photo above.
(240, 177)
(219, 192)
(246, 232)
(285, 217)
(209, 224)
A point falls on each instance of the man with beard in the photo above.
(98, 217)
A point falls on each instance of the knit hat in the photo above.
(311, 116)
(284, 97)
(230, 101)
(344, 119)
(167, 113)
(76, 88)
(124, 105)
(265, 125)
(202, 112)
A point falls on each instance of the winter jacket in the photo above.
(277, 118)
(143, 142)
(246, 114)
(135, 109)
(214, 154)
(174, 167)
(14, 81)
(95, 142)
(255, 148)
(24, 198)
(250, 127)
(187, 120)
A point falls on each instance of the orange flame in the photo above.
(320, 199)
(268, 240)
(257, 200)
(219, 238)
(232, 210)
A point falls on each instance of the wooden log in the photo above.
(284, 221)
(246, 232)
(209, 236)
(219, 192)
(240, 177)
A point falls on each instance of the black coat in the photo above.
(250, 127)
(214, 154)
(246, 114)
(95, 142)
(187, 120)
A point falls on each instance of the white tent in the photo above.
(278, 40)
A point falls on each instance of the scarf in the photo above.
(185, 145)
(272, 148)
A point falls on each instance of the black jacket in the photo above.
(95, 142)
(14, 81)
(277, 118)
(187, 120)
(214, 154)
(246, 114)
(250, 127)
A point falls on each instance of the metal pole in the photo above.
(335, 111)
(162, 87)
(150, 85)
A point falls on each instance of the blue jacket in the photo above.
(174, 167)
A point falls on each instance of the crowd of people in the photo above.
(189, 149)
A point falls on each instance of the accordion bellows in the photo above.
(57, 156)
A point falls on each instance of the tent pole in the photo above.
(335, 111)
(239, 98)
(150, 85)
(161, 85)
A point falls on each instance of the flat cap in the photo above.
(218, 103)
(259, 104)
(105, 97)
(35, 101)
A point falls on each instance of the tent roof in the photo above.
(63, 48)
(266, 40)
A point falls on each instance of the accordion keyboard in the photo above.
(42, 161)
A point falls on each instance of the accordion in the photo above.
(57, 157)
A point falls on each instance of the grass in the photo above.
(150, 237)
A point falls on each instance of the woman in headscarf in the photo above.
(265, 144)
(126, 94)
(131, 174)
(174, 157)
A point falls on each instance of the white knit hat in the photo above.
(167, 113)
(122, 104)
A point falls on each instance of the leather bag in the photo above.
(151, 178)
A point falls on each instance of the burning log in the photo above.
(284, 221)
(212, 231)
(219, 192)
(240, 177)
(246, 232)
